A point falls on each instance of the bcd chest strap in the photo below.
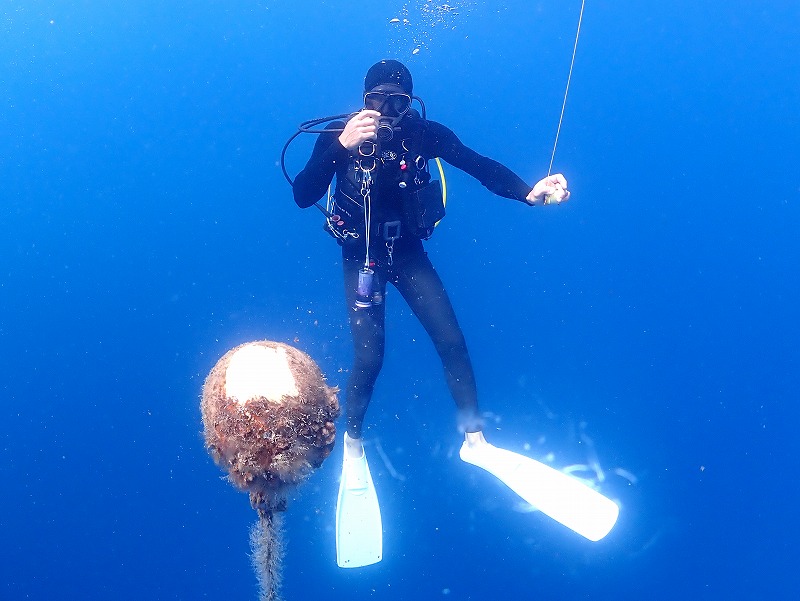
(421, 204)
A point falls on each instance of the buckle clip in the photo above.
(391, 231)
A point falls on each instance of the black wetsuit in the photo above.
(408, 268)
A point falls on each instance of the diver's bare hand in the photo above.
(550, 190)
(362, 127)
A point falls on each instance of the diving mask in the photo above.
(392, 103)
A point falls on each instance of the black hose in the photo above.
(305, 128)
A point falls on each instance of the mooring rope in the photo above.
(569, 78)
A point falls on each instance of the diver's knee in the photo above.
(368, 363)
(452, 346)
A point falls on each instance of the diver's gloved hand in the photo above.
(550, 190)
(362, 127)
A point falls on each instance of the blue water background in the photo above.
(147, 229)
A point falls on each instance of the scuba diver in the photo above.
(384, 204)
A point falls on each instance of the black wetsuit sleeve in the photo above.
(493, 175)
(312, 182)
